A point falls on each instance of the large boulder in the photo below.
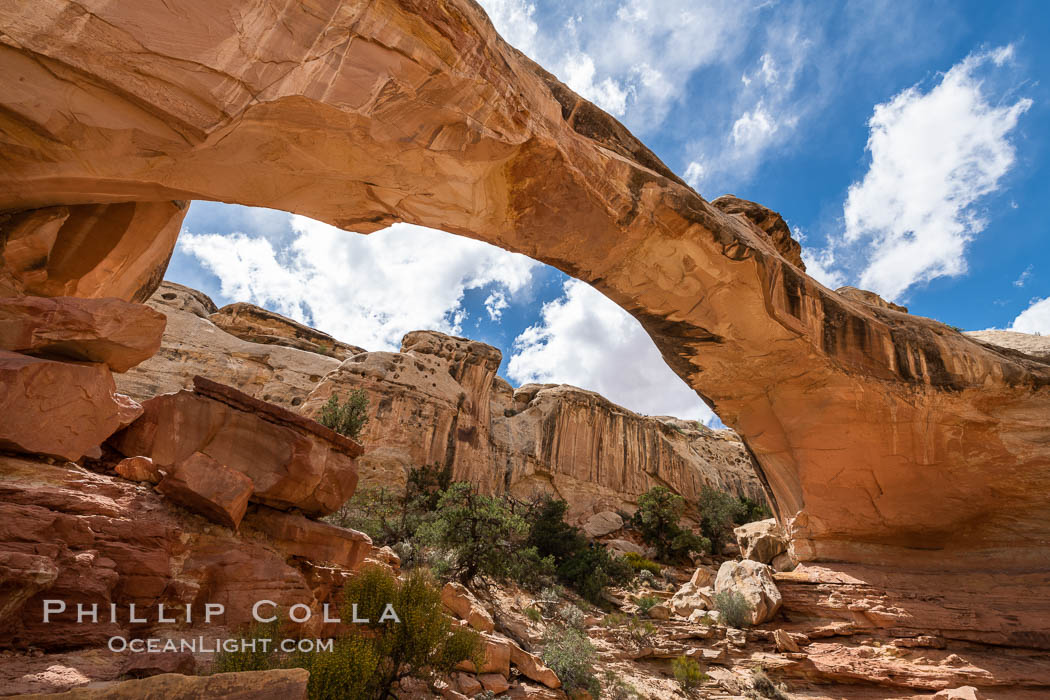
(61, 409)
(754, 581)
(689, 598)
(761, 541)
(213, 490)
(115, 333)
(601, 524)
(293, 461)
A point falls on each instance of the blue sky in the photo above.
(905, 143)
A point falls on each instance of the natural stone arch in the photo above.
(882, 435)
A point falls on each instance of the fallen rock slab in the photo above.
(213, 490)
(298, 536)
(761, 541)
(60, 409)
(458, 600)
(532, 667)
(112, 332)
(293, 461)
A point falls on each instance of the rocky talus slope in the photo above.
(439, 401)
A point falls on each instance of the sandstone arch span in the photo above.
(882, 437)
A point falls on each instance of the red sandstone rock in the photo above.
(89, 250)
(22, 575)
(532, 667)
(61, 409)
(213, 490)
(319, 542)
(112, 541)
(279, 684)
(109, 331)
(493, 682)
(458, 600)
(138, 469)
(293, 461)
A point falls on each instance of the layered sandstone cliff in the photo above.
(439, 402)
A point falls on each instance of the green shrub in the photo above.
(590, 570)
(571, 655)
(688, 674)
(348, 418)
(640, 563)
(422, 644)
(534, 614)
(751, 511)
(614, 620)
(719, 512)
(367, 661)
(350, 670)
(659, 512)
(485, 538)
(647, 603)
(640, 632)
(733, 608)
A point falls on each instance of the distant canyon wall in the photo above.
(439, 402)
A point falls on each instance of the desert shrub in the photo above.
(614, 620)
(647, 603)
(590, 570)
(640, 563)
(586, 567)
(571, 616)
(347, 418)
(688, 674)
(424, 641)
(350, 670)
(659, 511)
(390, 518)
(485, 538)
(369, 658)
(751, 511)
(571, 655)
(646, 576)
(719, 512)
(534, 614)
(639, 632)
(615, 688)
(733, 608)
(763, 687)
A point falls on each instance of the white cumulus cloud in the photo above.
(367, 290)
(934, 155)
(586, 340)
(1034, 319)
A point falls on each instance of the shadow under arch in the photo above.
(878, 434)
